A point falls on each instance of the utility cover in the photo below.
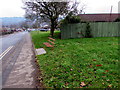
(40, 51)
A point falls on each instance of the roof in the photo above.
(99, 17)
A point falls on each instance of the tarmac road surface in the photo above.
(11, 40)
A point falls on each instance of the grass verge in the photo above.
(79, 63)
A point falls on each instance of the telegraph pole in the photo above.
(110, 13)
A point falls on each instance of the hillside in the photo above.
(11, 20)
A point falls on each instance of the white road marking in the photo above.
(5, 52)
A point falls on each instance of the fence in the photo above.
(98, 29)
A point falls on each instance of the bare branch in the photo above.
(50, 9)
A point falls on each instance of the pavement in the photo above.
(24, 72)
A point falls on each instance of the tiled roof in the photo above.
(99, 17)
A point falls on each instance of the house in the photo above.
(99, 17)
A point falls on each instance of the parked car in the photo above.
(44, 29)
(4, 32)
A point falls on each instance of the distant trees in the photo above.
(71, 18)
(50, 11)
(24, 25)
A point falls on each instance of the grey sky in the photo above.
(12, 8)
(101, 6)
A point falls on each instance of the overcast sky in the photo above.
(12, 8)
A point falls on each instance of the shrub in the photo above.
(88, 33)
(71, 19)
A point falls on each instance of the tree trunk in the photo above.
(52, 28)
(52, 31)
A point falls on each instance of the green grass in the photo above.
(73, 61)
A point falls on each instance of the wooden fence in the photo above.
(98, 29)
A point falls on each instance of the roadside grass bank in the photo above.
(79, 63)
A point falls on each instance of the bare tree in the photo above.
(24, 25)
(50, 10)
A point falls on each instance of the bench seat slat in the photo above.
(51, 38)
(48, 44)
(51, 42)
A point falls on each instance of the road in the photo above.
(11, 47)
(11, 40)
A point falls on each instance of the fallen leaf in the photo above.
(109, 85)
(103, 76)
(104, 73)
(91, 66)
(108, 80)
(98, 65)
(106, 70)
(89, 72)
(94, 59)
(83, 84)
(66, 84)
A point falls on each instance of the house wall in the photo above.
(99, 29)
